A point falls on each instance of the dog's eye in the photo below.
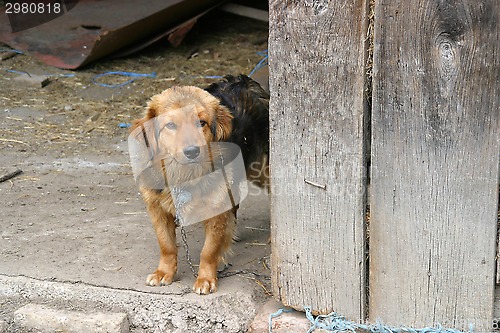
(171, 125)
(201, 123)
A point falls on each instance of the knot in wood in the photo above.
(447, 58)
(318, 6)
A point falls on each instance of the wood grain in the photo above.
(435, 162)
(318, 173)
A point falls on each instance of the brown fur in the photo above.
(183, 106)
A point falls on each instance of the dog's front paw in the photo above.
(159, 278)
(205, 286)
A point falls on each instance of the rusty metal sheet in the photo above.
(97, 28)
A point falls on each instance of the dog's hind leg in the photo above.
(219, 234)
(164, 226)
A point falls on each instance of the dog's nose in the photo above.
(192, 152)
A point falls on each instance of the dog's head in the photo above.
(181, 121)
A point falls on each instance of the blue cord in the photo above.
(129, 74)
(16, 72)
(11, 50)
(261, 63)
(213, 77)
(274, 315)
(335, 323)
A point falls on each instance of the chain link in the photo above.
(224, 274)
(186, 249)
(181, 198)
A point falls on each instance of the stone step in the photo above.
(41, 318)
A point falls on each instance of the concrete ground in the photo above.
(75, 236)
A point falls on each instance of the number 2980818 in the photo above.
(33, 8)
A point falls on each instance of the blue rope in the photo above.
(274, 315)
(14, 71)
(216, 77)
(261, 63)
(11, 50)
(336, 323)
(128, 74)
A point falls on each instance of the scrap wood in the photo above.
(30, 79)
(10, 175)
(257, 14)
(95, 29)
(37, 81)
(7, 55)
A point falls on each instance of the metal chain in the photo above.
(186, 249)
(220, 274)
(223, 274)
(181, 197)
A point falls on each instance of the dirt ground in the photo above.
(77, 184)
(79, 110)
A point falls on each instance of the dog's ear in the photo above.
(151, 109)
(223, 123)
(144, 130)
(150, 114)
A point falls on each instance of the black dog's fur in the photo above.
(249, 104)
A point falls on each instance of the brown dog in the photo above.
(179, 129)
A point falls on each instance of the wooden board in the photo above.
(246, 11)
(316, 58)
(435, 158)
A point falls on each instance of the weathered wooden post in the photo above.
(435, 165)
(318, 166)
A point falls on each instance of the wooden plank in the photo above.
(246, 11)
(435, 162)
(316, 57)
